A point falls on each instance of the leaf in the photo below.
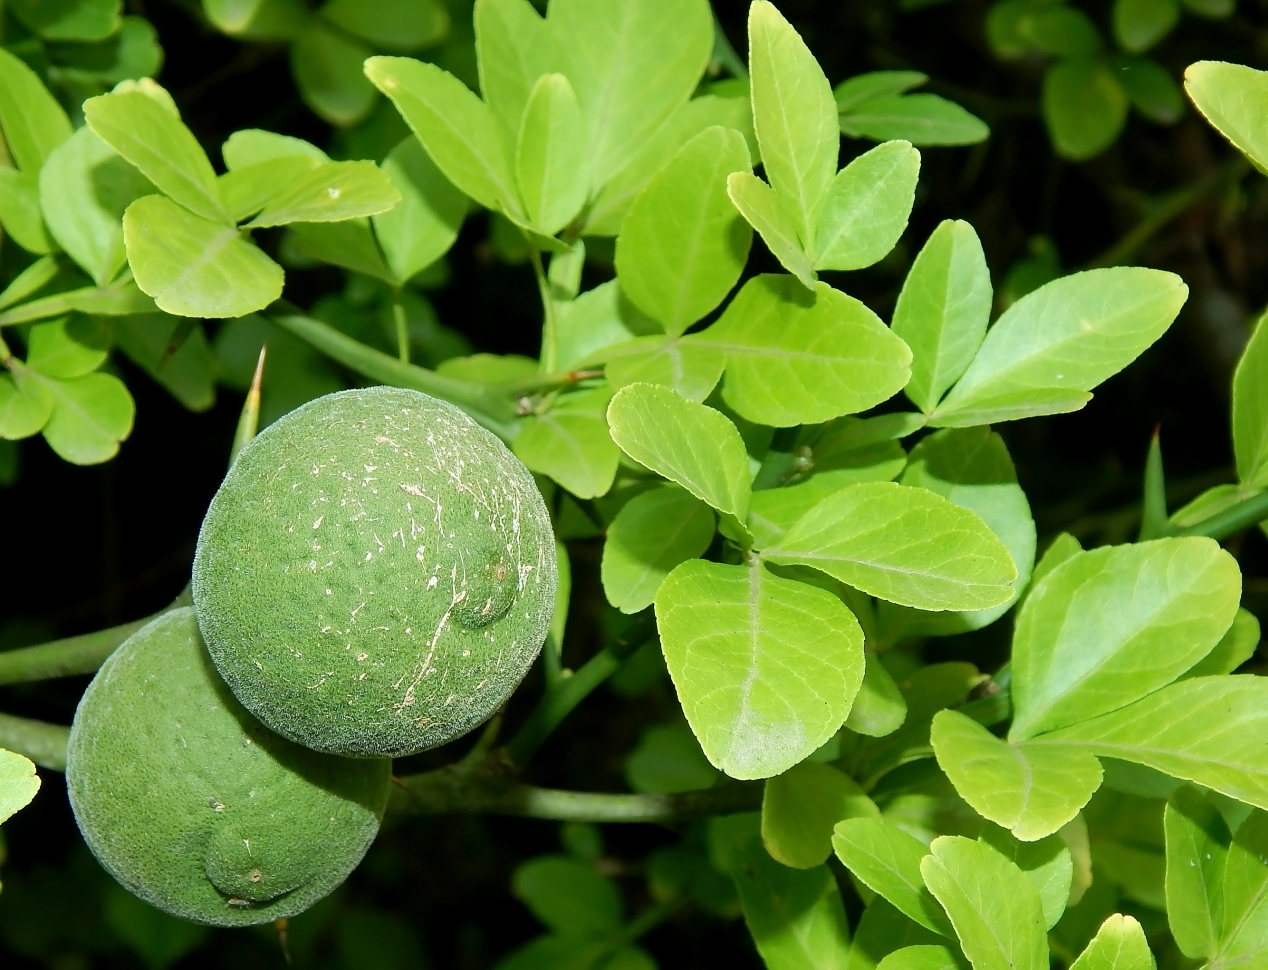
(795, 117)
(887, 860)
(1233, 99)
(668, 760)
(550, 156)
(1119, 944)
(1197, 845)
(30, 281)
(903, 544)
(1057, 343)
(801, 807)
(652, 534)
(883, 930)
(1109, 626)
(942, 310)
(397, 25)
(854, 92)
(631, 62)
(193, 267)
(187, 368)
(568, 896)
(350, 244)
(570, 443)
(458, 130)
(688, 443)
(25, 404)
(690, 368)
(1250, 410)
(18, 783)
(85, 187)
(922, 119)
(514, 49)
(865, 209)
(926, 957)
(20, 210)
(995, 909)
(1207, 730)
(69, 20)
(33, 122)
(247, 190)
(598, 319)
(327, 66)
(1084, 107)
(1048, 863)
(765, 668)
(1244, 936)
(879, 708)
(257, 19)
(68, 347)
(765, 212)
(682, 246)
(155, 140)
(420, 228)
(798, 358)
(1236, 647)
(1139, 24)
(91, 416)
(1031, 791)
(1058, 29)
(332, 192)
(558, 953)
(251, 146)
(1150, 88)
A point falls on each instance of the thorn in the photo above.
(283, 926)
(249, 422)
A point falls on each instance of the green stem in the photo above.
(1246, 513)
(557, 703)
(461, 789)
(549, 354)
(402, 327)
(43, 743)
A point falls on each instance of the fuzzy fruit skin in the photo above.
(196, 807)
(376, 574)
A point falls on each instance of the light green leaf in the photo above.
(1197, 845)
(420, 228)
(1119, 944)
(20, 210)
(68, 347)
(668, 760)
(1236, 647)
(185, 365)
(91, 416)
(689, 443)
(568, 896)
(193, 267)
(795, 117)
(865, 209)
(257, 19)
(652, 534)
(119, 298)
(1150, 88)
(1233, 98)
(30, 281)
(327, 66)
(690, 368)
(943, 309)
(765, 212)
(251, 146)
(1139, 24)
(394, 25)
(883, 930)
(1109, 626)
(1207, 730)
(906, 545)
(631, 63)
(995, 909)
(854, 92)
(33, 122)
(514, 49)
(84, 189)
(922, 119)
(682, 246)
(798, 358)
(801, 807)
(1244, 935)
(1058, 342)
(248, 189)
(765, 668)
(887, 860)
(1250, 410)
(926, 957)
(333, 192)
(1084, 107)
(18, 783)
(972, 468)
(458, 130)
(598, 319)
(25, 404)
(1047, 863)
(156, 141)
(570, 443)
(550, 155)
(1032, 791)
(880, 708)
(69, 20)
(350, 244)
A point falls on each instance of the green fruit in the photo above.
(195, 806)
(376, 574)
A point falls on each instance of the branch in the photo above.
(473, 790)
(1234, 519)
(43, 743)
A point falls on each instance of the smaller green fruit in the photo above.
(196, 807)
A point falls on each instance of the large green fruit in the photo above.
(376, 574)
(194, 805)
